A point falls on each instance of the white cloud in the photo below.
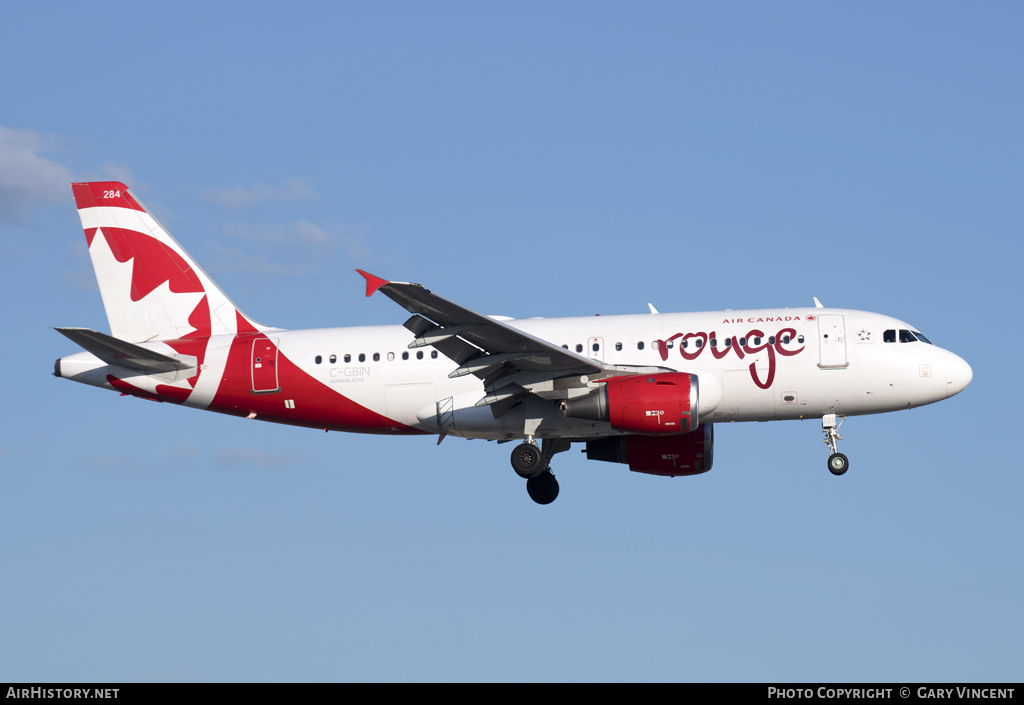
(27, 178)
(101, 460)
(250, 456)
(82, 275)
(231, 259)
(112, 171)
(351, 239)
(241, 196)
(188, 451)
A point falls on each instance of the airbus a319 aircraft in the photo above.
(641, 390)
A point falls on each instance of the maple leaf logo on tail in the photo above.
(152, 289)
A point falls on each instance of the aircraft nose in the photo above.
(958, 375)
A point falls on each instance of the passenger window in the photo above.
(743, 341)
(433, 354)
(419, 354)
(889, 336)
(714, 342)
(771, 340)
(362, 357)
(670, 344)
(579, 347)
(376, 357)
(728, 342)
(785, 340)
(334, 358)
(391, 357)
(922, 338)
(654, 344)
(566, 347)
(800, 339)
(318, 359)
(907, 337)
(757, 341)
(618, 347)
(348, 358)
(698, 342)
(596, 347)
(685, 344)
(640, 345)
(405, 356)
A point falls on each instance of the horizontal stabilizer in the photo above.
(120, 353)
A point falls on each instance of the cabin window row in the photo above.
(697, 342)
(361, 357)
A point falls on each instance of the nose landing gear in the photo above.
(837, 462)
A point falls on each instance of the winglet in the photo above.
(372, 283)
(817, 304)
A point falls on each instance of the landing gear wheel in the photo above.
(543, 489)
(527, 460)
(838, 464)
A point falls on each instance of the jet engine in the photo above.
(689, 454)
(663, 403)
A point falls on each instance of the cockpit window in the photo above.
(922, 338)
(889, 336)
(907, 337)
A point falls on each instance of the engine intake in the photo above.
(663, 403)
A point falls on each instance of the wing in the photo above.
(510, 362)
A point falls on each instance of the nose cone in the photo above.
(958, 375)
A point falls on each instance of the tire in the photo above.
(543, 489)
(838, 464)
(527, 460)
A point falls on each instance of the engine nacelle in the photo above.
(690, 454)
(656, 404)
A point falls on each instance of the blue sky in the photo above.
(524, 160)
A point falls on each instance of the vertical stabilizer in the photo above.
(152, 288)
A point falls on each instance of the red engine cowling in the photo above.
(691, 454)
(656, 404)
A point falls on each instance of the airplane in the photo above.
(641, 390)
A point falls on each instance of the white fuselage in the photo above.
(752, 365)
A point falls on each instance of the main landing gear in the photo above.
(533, 464)
(837, 462)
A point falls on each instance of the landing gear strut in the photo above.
(837, 462)
(534, 465)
